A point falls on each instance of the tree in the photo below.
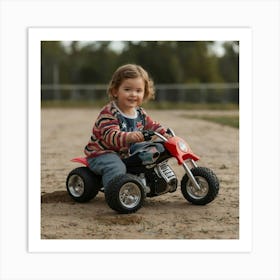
(53, 56)
(94, 62)
(229, 62)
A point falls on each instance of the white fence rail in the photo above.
(193, 93)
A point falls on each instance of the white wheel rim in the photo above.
(195, 193)
(130, 195)
(76, 185)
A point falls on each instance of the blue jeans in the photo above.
(108, 166)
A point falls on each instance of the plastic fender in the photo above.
(81, 160)
(190, 156)
(172, 146)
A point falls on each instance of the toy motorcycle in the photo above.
(127, 192)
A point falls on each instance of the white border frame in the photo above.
(243, 35)
(262, 16)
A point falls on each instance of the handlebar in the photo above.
(161, 136)
(148, 134)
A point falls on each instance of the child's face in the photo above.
(130, 94)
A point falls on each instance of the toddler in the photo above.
(120, 123)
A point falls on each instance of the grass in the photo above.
(71, 104)
(232, 121)
(148, 105)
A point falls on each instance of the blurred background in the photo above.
(187, 74)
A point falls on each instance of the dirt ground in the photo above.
(64, 133)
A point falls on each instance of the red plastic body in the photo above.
(81, 160)
(172, 145)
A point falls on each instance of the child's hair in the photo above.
(131, 71)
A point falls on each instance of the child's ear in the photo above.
(114, 93)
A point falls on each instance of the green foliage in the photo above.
(150, 105)
(167, 61)
(229, 63)
(53, 59)
(232, 121)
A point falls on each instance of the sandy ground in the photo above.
(64, 133)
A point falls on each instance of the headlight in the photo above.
(183, 147)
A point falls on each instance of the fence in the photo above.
(191, 93)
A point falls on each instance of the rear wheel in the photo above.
(209, 186)
(82, 184)
(125, 194)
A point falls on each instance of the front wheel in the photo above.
(82, 184)
(125, 194)
(208, 182)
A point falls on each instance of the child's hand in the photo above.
(166, 135)
(135, 136)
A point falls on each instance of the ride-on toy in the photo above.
(127, 192)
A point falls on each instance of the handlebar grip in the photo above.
(148, 134)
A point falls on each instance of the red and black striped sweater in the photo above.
(107, 136)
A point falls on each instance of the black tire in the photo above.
(208, 182)
(125, 194)
(82, 184)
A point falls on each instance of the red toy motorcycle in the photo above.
(127, 193)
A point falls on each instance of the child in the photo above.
(120, 122)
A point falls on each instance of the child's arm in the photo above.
(114, 137)
(136, 136)
(153, 125)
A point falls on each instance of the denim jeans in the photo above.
(108, 166)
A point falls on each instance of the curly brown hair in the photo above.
(131, 71)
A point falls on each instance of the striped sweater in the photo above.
(107, 135)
